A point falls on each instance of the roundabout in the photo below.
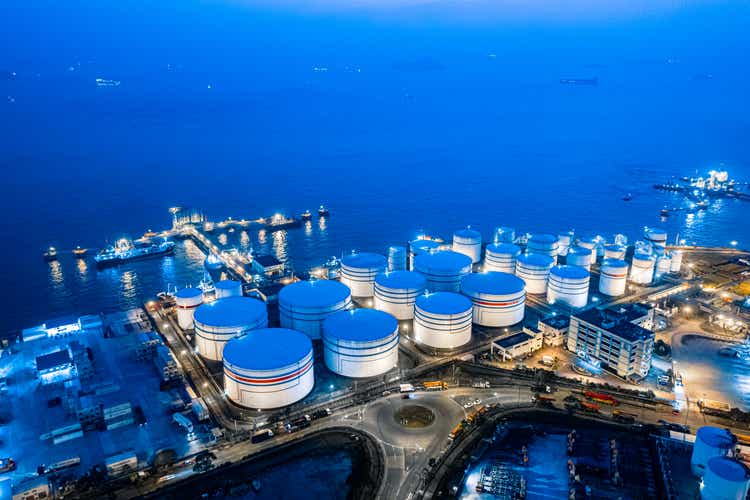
(414, 416)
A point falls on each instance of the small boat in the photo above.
(627, 197)
(149, 234)
(50, 254)
(323, 211)
(702, 205)
(80, 252)
(256, 485)
(306, 215)
(665, 212)
(213, 263)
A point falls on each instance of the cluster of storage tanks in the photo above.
(713, 459)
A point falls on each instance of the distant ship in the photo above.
(627, 197)
(80, 252)
(102, 82)
(580, 81)
(306, 215)
(323, 211)
(213, 263)
(124, 251)
(50, 254)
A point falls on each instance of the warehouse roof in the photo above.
(53, 360)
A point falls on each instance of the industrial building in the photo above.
(360, 342)
(358, 271)
(499, 299)
(616, 337)
(304, 305)
(270, 368)
(218, 322)
(55, 367)
(442, 320)
(397, 291)
(517, 345)
(554, 329)
(267, 265)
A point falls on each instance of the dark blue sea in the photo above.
(399, 115)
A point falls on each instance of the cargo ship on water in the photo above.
(580, 81)
(125, 251)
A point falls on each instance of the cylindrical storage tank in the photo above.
(710, 442)
(620, 239)
(591, 243)
(468, 242)
(360, 342)
(397, 258)
(676, 266)
(228, 288)
(641, 246)
(534, 269)
(305, 304)
(418, 247)
(443, 270)
(564, 240)
(656, 236)
(725, 479)
(614, 251)
(501, 257)
(442, 320)
(268, 368)
(358, 272)
(222, 320)
(568, 284)
(613, 276)
(187, 301)
(579, 256)
(504, 234)
(663, 265)
(543, 244)
(396, 292)
(642, 269)
(499, 299)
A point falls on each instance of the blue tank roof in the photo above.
(468, 233)
(506, 248)
(366, 260)
(580, 251)
(231, 311)
(444, 260)
(424, 245)
(188, 293)
(716, 437)
(359, 325)
(543, 238)
(444, 303)
(315, 293)
(401, 279)
(614, 263)
(643, 256)
(656, 231)
(729, 469)
(268, 349)
(493, 282)
(570, 272)
(535, 259)
(227, 284)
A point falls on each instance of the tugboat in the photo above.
(213, 263)
(306, 215)
(50, 254)
(80, 252)
(627, 197)
(323, 211)
(124, 250)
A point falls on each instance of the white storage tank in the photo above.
(534, 270)
(565, 241)
(569, 285)
(676, 266)
(591, 243)
(222, 320)
(656, 236)
(228, 288)
(396, 292)
(642, 268)
(468, 242)
(613, 276)
(358, 271)
(501, 257)
(579, 256)
(268, 368)
(543, 244)
(360, 342)
(444, 270)
(498, 299)
(663, 265)
(397, 258)
(613, 251)
(710, 442)
(725, 479)
(305, 304)
(442, 320)
(504, 234)
(421, 246)
(187, 301)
